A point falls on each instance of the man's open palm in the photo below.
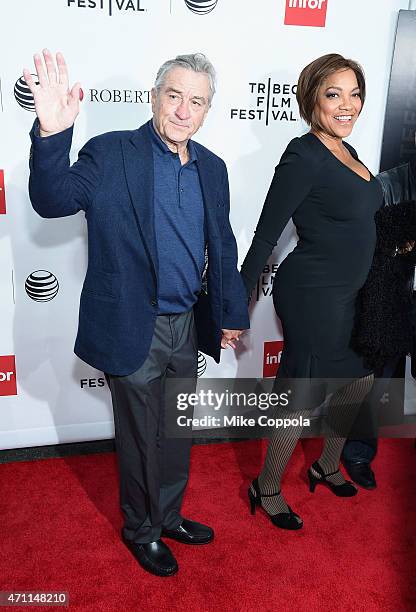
(56, 105)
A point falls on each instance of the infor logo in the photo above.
(8, 375)
(306, 13)
(271, 358)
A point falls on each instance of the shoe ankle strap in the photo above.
(318, 468)
(270, 494)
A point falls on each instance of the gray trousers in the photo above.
(153, 467)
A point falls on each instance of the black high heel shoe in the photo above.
(345, 489)
(284, 520)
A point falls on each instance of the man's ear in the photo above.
(205, 116)
(153, 94)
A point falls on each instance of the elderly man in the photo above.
(162, 276)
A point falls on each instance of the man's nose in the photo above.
(183, 110)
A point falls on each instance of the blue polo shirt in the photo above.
(179, 226)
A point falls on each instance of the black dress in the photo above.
(316, 286)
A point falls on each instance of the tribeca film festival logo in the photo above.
(306, 13)
(8, 384)
(272, 354)
(264, 287)
(109, 6)
(201, 7)
(2, 194)
(272, 102)
(23, 94)
(42, 286)
(91, 383)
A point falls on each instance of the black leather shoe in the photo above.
(362, 474)
(154, 557)
(190, 532)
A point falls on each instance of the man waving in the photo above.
(162, 276)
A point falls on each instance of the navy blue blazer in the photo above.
(112, 182)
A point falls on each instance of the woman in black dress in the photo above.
(332, 198)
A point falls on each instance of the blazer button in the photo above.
(153, 303)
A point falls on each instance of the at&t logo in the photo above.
(202, 364)
(23, 94)
(201, 7)
(41, 286)
(8, 375)
(306, 13)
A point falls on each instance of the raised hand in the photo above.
(56, 105)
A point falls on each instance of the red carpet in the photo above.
(60, 531)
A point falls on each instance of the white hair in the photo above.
(197, 62)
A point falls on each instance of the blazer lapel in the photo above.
(138, 164)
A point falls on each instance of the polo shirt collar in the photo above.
(160, 147)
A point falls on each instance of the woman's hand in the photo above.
(229, 337)
(406, 248)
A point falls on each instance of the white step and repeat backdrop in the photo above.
(114, 48)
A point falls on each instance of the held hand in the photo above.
(409, 246)
(56, 105)
(229, 336)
